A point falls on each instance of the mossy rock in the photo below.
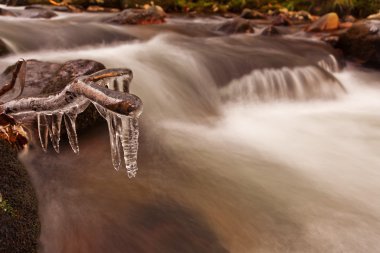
(19, 223)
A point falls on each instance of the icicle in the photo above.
(129, 141)
(54, 124)
(43, 131)
(69, 119)
(114, 140)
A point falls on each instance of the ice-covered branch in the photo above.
(108, 91)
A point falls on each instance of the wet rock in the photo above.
(362, 42)
(327, 22)
(70, 70)
(20, 226)
(37, 13)
(4, 50)
(4, 12)
(281, 20)
(153, 15)
(270, 31)
(46, 77)
(252, 14)
(236, 25)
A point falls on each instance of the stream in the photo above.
(247, 143)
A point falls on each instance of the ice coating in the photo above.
(108, 91)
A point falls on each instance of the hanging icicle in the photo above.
(108, 91)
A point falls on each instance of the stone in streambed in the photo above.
(152, 15)
(236, 25)
(281, 20)
(327, 22)
(362, 42)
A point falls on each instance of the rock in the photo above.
(4, 50)
(270, 31)
(303, 15)
(327, 22)
(281, 20)
(236, 25)
(4, 12)
(153, 15)
(68, 71)
(252, 14)
(46, 77)
(20, 226)
(374, 16)
(37, 13)
(362, 42)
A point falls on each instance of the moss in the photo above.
(20, 227)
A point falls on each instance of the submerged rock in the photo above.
(236, 25)
(37, 13)
(20, 226)
(362, 42)
(152, 15)
(327, 22)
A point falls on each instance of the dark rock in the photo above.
(270, 31)
(153, 15)
(328, 22)
(19, 225)
(362, 42)
(4, 12)
(70, 70)
(4, 50)
(281, 20)
(252, 14)
(236, 25)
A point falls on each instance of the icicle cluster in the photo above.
(108, 91)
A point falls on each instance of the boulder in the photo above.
(20, 226)
(362, 42)
(4, 50)
(327, 22)
(152, 15)
(236, 25)
(281, 20)
(252, 14)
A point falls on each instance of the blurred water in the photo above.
(281, 174)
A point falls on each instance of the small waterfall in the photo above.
(297, 83)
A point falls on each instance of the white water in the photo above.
(284, 175)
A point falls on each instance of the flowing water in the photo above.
(247, 144)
